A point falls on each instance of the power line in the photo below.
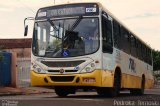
(49, 1)
(30, 9)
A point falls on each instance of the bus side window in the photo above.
(140, 50)
(150, 57)
(125, 37)
(107, 35)
(133, 46)
(117, 35)
(145, 56)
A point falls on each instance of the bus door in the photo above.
(107, 41)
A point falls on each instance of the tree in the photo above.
(156, 60)
(1, 57)
(1, 48)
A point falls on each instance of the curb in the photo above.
(22, 93)
(10, 94)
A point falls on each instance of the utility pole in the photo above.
(54, 1)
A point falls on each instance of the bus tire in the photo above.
(102, 91)
(61, 91)
(111, 92)
(140, 91)
(114, 91)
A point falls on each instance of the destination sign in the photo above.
(85, 9)
(66, 11)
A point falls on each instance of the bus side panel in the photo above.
(129, 78)
(107, 78)
(130, 81)
(149, 83)
(108, 70)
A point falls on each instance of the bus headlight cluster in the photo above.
(92, 65)
(89, 68)
(37, 69)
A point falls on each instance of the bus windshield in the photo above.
(66, 37)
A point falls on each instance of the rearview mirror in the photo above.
(26, 26)
(26, 30)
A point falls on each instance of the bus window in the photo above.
(107, 35)
(133, 46)
(116, 33)
(125, 40)
(145, 54)
(140, 50)
(150, 57)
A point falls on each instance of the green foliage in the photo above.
(158, 78)
(56, 43)
(1, 48)
(156, 60)
(1, 56)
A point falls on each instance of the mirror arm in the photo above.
(26, 27)
(28, 18)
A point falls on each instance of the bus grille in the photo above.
(62, 78)
(63, 63)
(65, 71)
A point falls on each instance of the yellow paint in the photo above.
(104, 78)
(149, 83)
(130, 81)
(107, 78)
(38, 79)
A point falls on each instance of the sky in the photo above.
(141, 16)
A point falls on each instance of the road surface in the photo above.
(150, 98)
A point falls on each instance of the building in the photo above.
(21, 46)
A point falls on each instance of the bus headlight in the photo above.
(89, 68)
(37, 69)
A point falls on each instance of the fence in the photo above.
(23, 72)
(5, 69)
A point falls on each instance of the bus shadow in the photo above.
(96, 96)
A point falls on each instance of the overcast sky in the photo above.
(141, 16)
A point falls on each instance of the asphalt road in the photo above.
(151, 98)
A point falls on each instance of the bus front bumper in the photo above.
(81, 79)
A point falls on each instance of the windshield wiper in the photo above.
(76, 23)
(52, 24)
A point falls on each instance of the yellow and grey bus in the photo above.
(83, 46)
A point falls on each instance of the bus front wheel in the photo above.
(61, 91)
(111, 92)
(116, 86)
